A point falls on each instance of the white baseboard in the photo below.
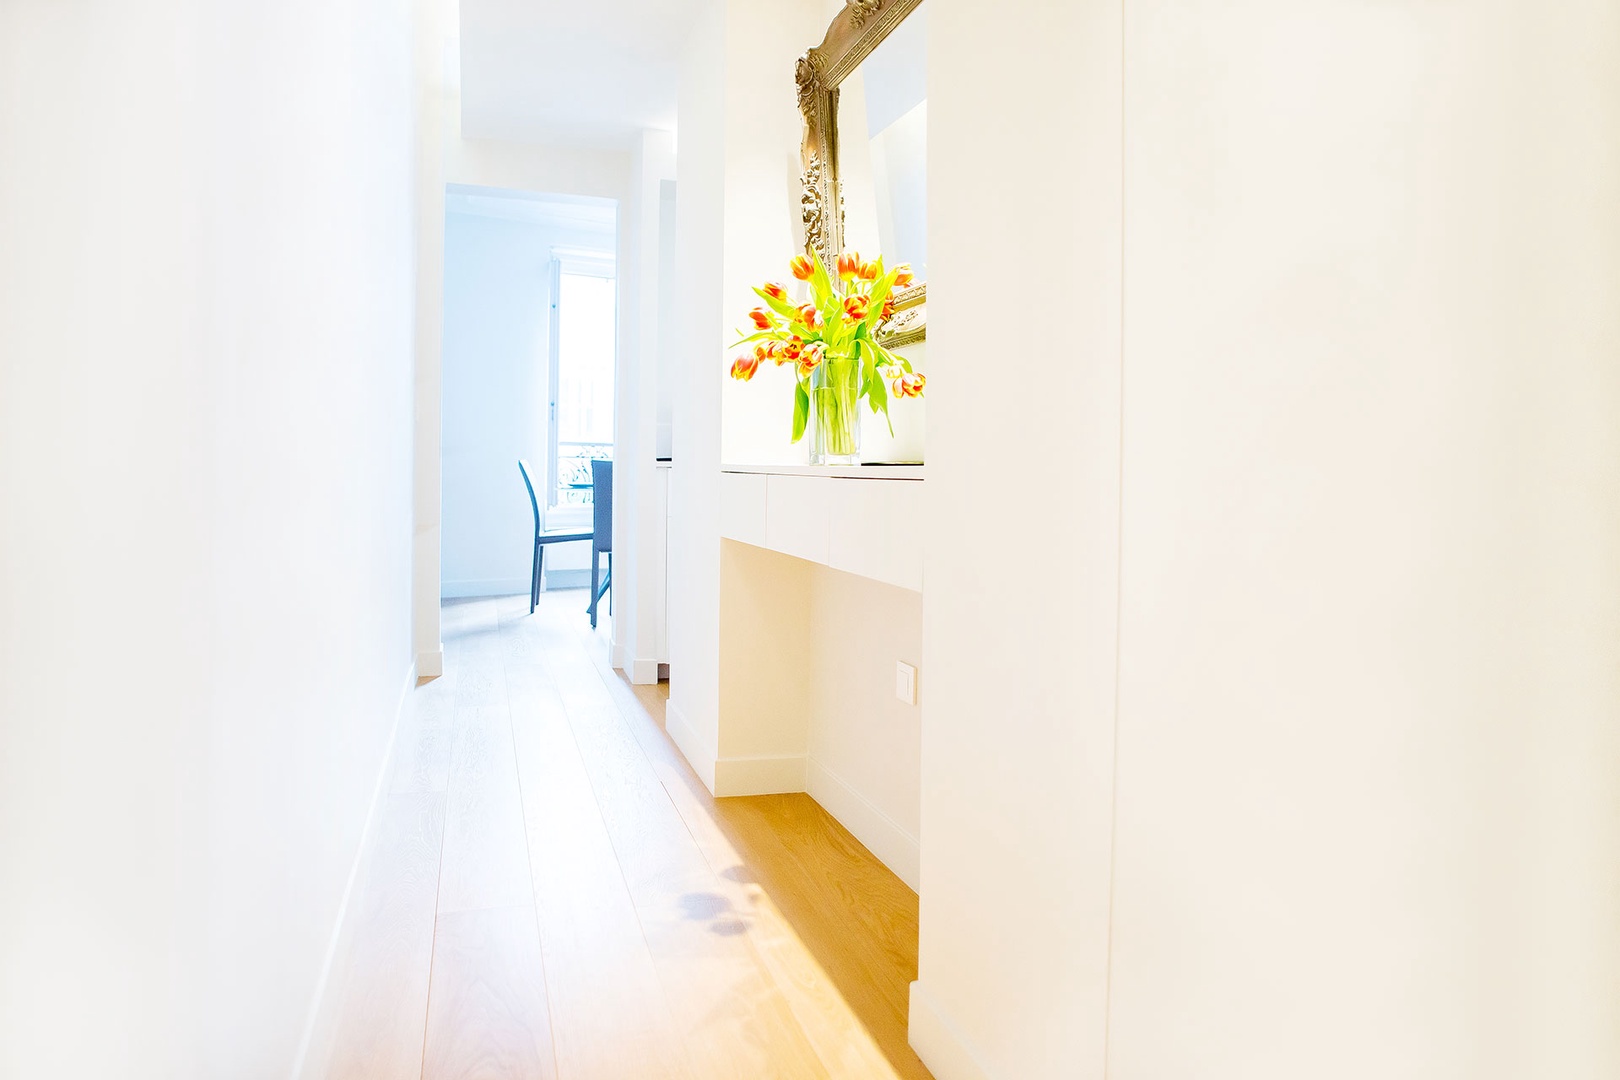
(698, 755)
(939, 1042)
(619, 656)
(643, 672)
(550, 581)
(311, 1060)
(565, 579)
(459, 590)
(886, 838)
(759, 775)
(430, 665)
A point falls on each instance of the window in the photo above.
(583, 334)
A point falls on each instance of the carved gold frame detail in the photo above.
(854, 33)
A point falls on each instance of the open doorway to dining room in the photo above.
(530, 333)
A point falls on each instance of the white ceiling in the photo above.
(593, 72)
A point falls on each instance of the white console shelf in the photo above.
(842, 472)
(863, 520)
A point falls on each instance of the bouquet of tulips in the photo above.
(831, 343)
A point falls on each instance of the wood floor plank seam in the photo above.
(528, 848)
(641, 925)
(540, 663)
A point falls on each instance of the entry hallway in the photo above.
(555, 894)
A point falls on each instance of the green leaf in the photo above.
(841, 334)
(878, 397)
(820, 282)
(868, 353)
(880, 356)
(880, 293)
(781, 307)
(893, 359)
(801, 409)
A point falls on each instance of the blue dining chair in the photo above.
(542, 538)
(602, 533)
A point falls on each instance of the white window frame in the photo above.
(587, 263)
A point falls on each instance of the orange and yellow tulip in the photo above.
(802, 267)
(904, 277)
(855, 307)
(743, 368)
(775, 291)
(762, 321)
(909, 385)
(869, 271)
(849, 265)
(810, 315)
(810, 358)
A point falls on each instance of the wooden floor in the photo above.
(555, 894)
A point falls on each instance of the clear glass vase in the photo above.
(835, 413)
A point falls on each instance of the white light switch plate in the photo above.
(905, 682)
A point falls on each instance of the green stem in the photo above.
(837, 403)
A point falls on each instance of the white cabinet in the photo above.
(797, 513)
(742, 507)
(875, 530)
(863, 525)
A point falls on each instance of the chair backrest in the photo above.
(534, 504)
(602, 504)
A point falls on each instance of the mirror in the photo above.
(863, 93)
(883, 149)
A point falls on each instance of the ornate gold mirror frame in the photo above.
(854, 33)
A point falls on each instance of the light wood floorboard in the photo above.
(382, 1003)
(487, 1015)
(609, 1012)
(553, 894)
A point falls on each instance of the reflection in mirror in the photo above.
(883, 149)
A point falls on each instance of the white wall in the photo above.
(1369, 758)
(865, 745)
(206, 280)
(436, 67)
(694, 497)
(496, 380)
(1018, 705)
(558, 168)
(1338, 370)
(763, 229)
(643, 389)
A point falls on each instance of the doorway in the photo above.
(530, 336)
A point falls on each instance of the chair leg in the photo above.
(534, 579)
(595, 563)
(608, 584)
